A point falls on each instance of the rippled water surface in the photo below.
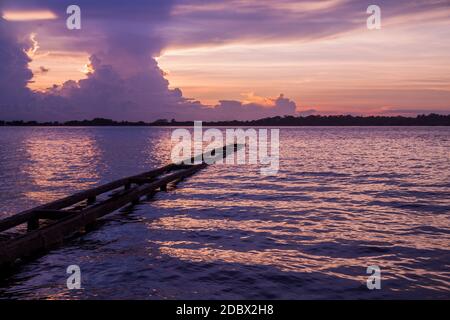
(344, 199)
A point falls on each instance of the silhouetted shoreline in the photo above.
(313, 120)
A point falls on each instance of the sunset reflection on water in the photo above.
(344, 199)
(56, 163)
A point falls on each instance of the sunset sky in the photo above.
(193, 59)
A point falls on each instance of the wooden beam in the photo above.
(141, 180)
(55, 214)
(24, 216)
(48, 236)
(69, 222)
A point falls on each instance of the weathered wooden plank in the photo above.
(55, 214)
(141, 180)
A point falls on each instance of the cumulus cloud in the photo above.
(123, 38)
(126, 82)
(145, 96)
(232, 110)
(14, 72)
(141, 96)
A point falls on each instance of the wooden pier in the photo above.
(50, 224)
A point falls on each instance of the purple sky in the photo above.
(200, 60)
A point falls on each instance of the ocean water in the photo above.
(343, 199)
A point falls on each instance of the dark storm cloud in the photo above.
(126, 84)
(14, 72)
(124, 36)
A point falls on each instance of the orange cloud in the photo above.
(251, 97)
(34, 46)
(28, 15)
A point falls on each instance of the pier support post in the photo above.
(33, 224)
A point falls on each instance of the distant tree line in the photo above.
(313, 120)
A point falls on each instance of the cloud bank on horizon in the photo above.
(123, 80)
